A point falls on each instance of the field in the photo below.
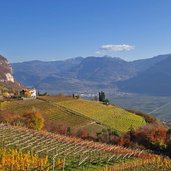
(24, 149)
(54, 115)
(111, 116)
(77, 113)
(48, 109)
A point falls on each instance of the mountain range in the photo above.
(150, 76)
(154, 79)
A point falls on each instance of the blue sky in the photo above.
(61, 29)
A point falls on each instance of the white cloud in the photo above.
(98, 52)
(114, 48)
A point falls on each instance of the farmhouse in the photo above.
(28, 93)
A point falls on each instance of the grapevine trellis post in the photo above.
(63, 168)
(76, 153)
(53, 167)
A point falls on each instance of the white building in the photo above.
(33, 92)
(28, 93)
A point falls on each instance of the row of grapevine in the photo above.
(111, 116)
(49, 110)
(14, 160)
(24, 149)
(156, 163)
(65, 114)
(75, 152)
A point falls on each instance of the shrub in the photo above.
(33, 120)
(10, 118)
(27, 94)
(168, 151)
(82, 133)
(151, 136)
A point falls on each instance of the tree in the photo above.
(106, 102)
(27, 94)
(69, 131)
(168, 135)
(168, 150)
(131, 133)
(33, 120)
(102, 96)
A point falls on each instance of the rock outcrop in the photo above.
(6, 78)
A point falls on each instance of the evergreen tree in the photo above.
(102, 96)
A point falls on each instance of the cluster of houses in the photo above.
(29, 93)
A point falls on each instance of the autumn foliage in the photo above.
(155, 137)
(151, 136)
(32, 119)
(15, 160)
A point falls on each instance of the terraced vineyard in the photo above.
(25, 149)
(109, 115)
(76, 113)
(49, 110)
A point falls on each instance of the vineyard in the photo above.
(77, 113)
(112, 116)
(49, 110)
(24, 149)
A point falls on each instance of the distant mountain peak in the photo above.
(107, 56)
(96, 73)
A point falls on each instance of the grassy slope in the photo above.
(111, 116)
(77, 113)
(49, 111)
